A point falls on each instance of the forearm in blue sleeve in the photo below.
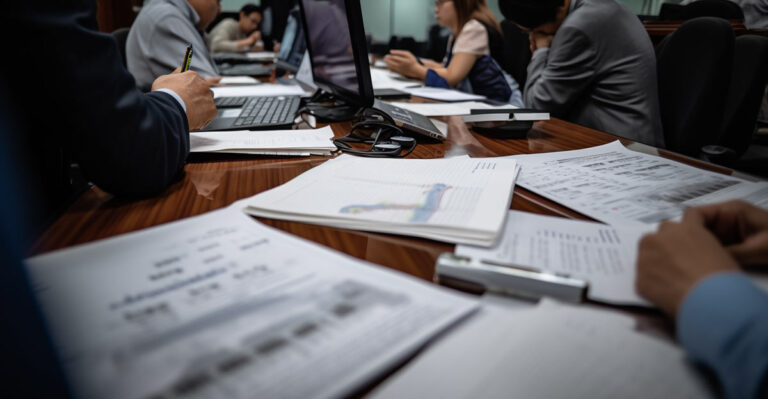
(435, 80)
(723, 324)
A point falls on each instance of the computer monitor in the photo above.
(338, 51)
(337, 48)
(294, 45)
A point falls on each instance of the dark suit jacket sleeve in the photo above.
(76, 95)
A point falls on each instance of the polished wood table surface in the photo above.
(216, 181)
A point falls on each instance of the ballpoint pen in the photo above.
(187, 61)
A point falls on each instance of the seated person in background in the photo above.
(693, 271)
(91, 114)
(231, 36)
(468, 65)
(593, 64)
(160, 36)
(755, 13)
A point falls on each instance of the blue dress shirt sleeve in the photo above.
(723, 324)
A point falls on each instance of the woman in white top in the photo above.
(468, 66)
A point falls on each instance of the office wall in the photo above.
(377, 18)
(236, 5)
(384, 18)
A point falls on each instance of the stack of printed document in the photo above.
(622, 187)
(221, 306)
(385, 79)
(261, 55)
(277, 142)
(457, 200)
(260, 90)
(551, 351)
(440, 94)
(448, 109)
(603, 256)
(535, 252)
(238, 80)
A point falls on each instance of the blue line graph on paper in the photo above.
(421, 212)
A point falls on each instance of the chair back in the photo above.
(713, 8)
(745, 94)
(406, 43)
(671, 12)
(121, 35)
(518, 51)
(437, 42)
(694, 66)
(702, 8)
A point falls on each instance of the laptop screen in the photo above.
(337, 48)
(293, 46)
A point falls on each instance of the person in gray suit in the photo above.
(593, 64)
(160, 35)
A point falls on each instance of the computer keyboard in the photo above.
(230, 102)
(268, 111)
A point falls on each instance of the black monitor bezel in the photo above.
(360, 53)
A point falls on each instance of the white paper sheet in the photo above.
(455, 200)
(258, 90)
(622, 187)
(261, 55)
(554, 351)
(221, 306)
(238, 80)
(436, 93)
(446, 109)
(602, 255)
(386, 79)
(249, 142)
(756, 194)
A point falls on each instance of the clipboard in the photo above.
(507, 279)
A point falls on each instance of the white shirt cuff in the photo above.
(175, 96)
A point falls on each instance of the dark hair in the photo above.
(530, 13)
(248, 9)
(477, 9)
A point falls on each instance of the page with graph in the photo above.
(457, 200)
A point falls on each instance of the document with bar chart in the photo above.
(459, 200)
(221, 306)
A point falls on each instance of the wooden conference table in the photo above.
(215, 181)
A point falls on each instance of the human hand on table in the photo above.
(196, 94)
(742, 228)
(675, 258)
(406, 64)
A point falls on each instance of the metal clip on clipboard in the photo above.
(508, 279)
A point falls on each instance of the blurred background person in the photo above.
(468, 65)
(160, 35)
(231, 36)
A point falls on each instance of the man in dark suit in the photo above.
(75, 104)
(30, 366)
